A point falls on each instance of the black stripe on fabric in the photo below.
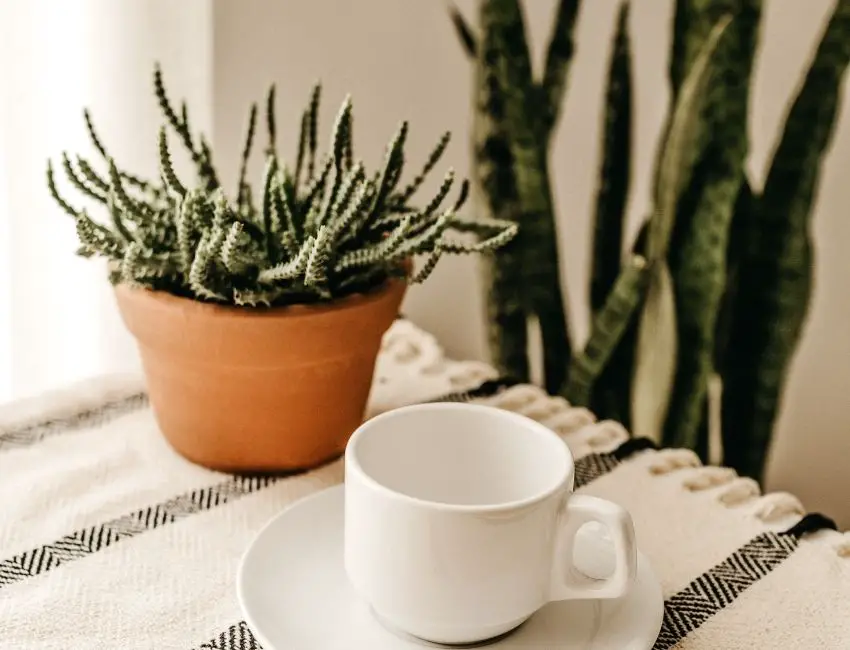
(632, 446)
(91, 540)
(30, 434)
(718, 587)
(721, 585)
(812, 522)
(236, 637)
(592, 466)
(486, 389)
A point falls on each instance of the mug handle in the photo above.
(568, 582)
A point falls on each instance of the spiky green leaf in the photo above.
(609, 324)
(614, 175)
(775, 279)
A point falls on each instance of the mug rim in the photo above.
(564, 483)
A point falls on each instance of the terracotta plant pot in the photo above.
(258, 389)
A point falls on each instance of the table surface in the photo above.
(108, 539)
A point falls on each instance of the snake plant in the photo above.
(716, 287)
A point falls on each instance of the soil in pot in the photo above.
(247, 390)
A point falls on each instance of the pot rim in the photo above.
(166, 300)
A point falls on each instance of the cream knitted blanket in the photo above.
(109, 540)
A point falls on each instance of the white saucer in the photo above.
(295, 594)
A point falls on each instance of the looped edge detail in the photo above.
(709, 477)
(464, 373)
(605, 434)
(517, 397)
(743, 489)
(669, 460)
(778, 505)
(570, 421)
(843, 546)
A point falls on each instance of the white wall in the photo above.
(58, 321)
(401, 60)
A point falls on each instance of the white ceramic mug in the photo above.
(460, 521)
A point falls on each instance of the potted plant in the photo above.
(258, 322)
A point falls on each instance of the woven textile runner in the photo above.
(108, 539)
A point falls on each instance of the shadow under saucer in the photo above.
(432, 644)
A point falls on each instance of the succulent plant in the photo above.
(323, 229)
